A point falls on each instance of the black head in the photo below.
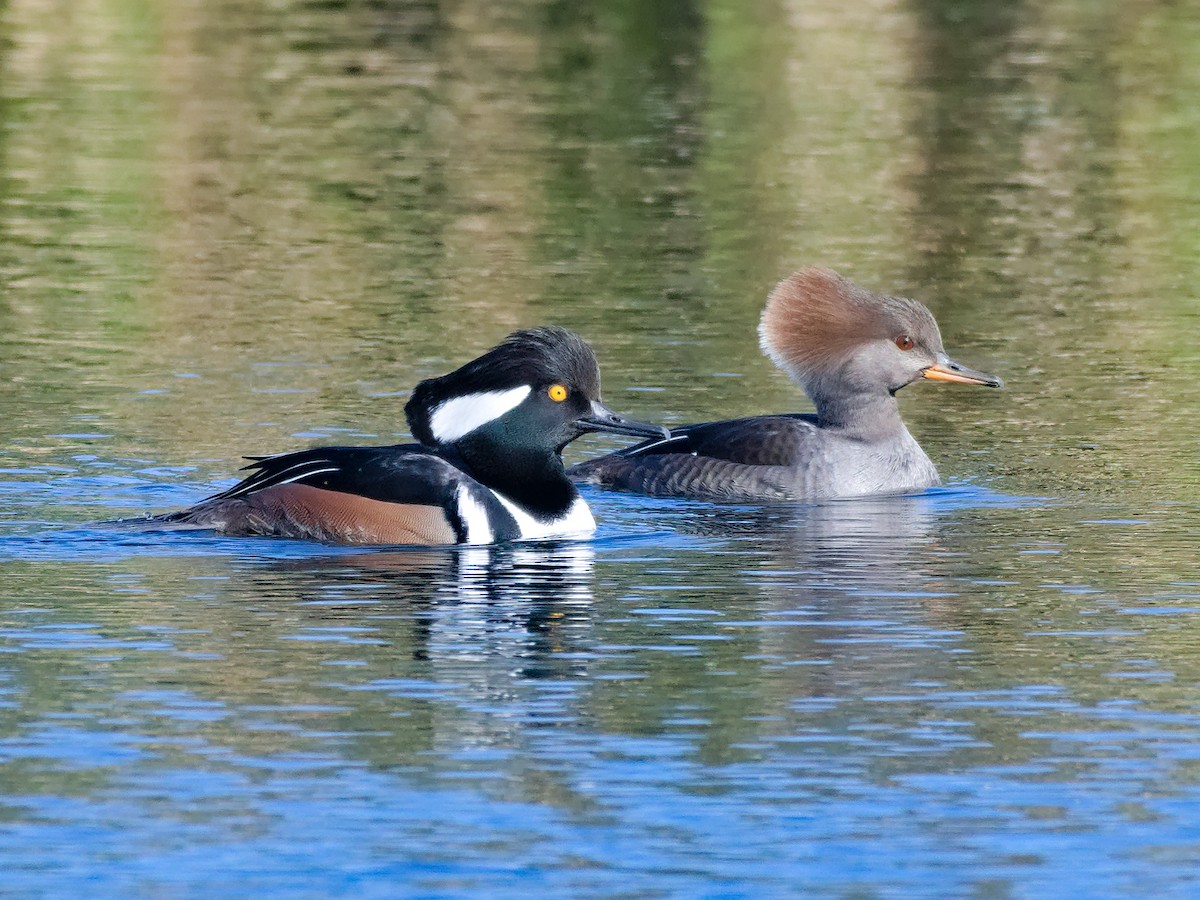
(537, 389)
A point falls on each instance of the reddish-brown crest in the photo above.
(814, 318)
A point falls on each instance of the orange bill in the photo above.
(946, 369)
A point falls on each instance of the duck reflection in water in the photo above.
(863, 539)
(512, 603)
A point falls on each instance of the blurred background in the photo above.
(228, 226)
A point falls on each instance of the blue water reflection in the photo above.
(831, 684)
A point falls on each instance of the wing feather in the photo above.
(352, 495)
(750, 459)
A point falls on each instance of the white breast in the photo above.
(475, 517)
(575, 522)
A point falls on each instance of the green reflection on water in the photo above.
(334, 201)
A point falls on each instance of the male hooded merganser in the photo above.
(488, 468)
(850, 350)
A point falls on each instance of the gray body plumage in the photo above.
(766, 458)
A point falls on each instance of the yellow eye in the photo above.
(557, 392)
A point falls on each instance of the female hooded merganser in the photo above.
(850, 350)
(488, 468)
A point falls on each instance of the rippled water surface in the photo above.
(232, 227)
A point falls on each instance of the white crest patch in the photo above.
(460, 416)
(475, 517)
(575, 522)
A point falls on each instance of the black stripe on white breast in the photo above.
(479, 516)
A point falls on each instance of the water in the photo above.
(234, 228)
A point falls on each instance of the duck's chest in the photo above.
(489, 517)
(577, 521)
(856, 468)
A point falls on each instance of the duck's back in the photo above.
(763, 459)
(752, 459)
(403, 494)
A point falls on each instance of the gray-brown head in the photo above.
(834, 337)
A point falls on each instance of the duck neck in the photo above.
(870, 415)
(533, 479)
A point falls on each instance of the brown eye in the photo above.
(904, 342)
(557, 393)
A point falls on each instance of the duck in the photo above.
(486, 468)
(850, 350)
